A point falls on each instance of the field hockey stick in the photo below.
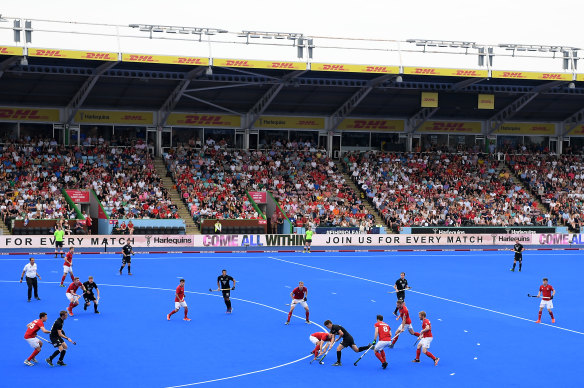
(220, 289)
(417, 340)
(321, 351)
(368, 349)
(532, 296)
(328, 350)
(44, 339)
(405, 289)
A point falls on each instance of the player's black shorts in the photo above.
(308, 240)
(401, 295)
(58, 244)
(56, 341)
(518, 257)
(88, 297)
(126, 259)
(348, 341)
(226, 294)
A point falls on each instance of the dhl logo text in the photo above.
(282, 65)
(98, 56)
(142, 58)
(306, 122)
(425, 71)
(193, 61)
(48, 53)
(377, 69)
(15, 114)
(551, 76)
(467, 73)
(334, 67)
(450, 127)
(3, 50)
(510, 74)
(132, 118)
(371, 124)
(204, 120)
(234, 63)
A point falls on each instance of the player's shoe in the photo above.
(130, 274)
(96, 312)
(70, 311)
(120, 272)
(34, 360)
(338, 363)
(28, 300)
(287, 323)
(186, 319)
(415, 360)
(384, 365)
(391, 346)
(61, 363)
(553, 320)
(26, 362)
(436, 361)
(49, 361)
(307, 322)
(61, 285)
(168, 317)
(512, 270)
(85, 306)
(538, 321)
(37, 298)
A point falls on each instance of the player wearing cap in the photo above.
(68, 266)
(425, 339)
(179, 301)
(546, 292)
(406, 324)
(31, 337)
(299, 296)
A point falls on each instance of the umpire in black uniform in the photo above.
(400, 286)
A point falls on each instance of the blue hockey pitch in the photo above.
(482, 320)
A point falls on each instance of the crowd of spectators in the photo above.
(442, 189)
(558, 181)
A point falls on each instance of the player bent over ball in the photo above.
(348, 341)
(425, 339)
(319, 339)
(179, 301)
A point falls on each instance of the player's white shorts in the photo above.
(313, 339)
(301, 302)
(405, 327)
(71, 297)
(178, 305)
(425, 342)
(381, 345)
(33, 342)
(67, 269)
(547, 304)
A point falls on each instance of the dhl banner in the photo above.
(579, 77)
(451, 127)
(167, 59)
(531, 75)
(29, 115)
(527, 129)
(73, 54)
(372, 125)
(203, 120)
(486, 101)
(254, 64)
(446, 72)
(429, 100)
(375, 69)
(114, 117)
(10, 50)
(290, 122)
(578, 131)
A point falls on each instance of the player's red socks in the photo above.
(36, 351)
(186, 312)
(551, 315)
(290, 315)
(63, 279)
(307, 314)
(539, 316)
(383, 356)
(316, 349)
(394, 340)
(72, 278)
(172, 313)
(379, 356)
(416, 334)
(418, 352)
(430, 355)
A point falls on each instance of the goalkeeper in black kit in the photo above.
(127, 253)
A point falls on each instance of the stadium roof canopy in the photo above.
(57, 82)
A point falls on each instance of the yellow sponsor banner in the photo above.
(290, 122)
(10, 50)
(114, 117)
(526, 129)
(486, 101)
(254, 64)
(578, 131)
(579, 77)
(72, 54)
(372, 125)
(375, 69)
(204, 120)
(167, 59)
(429, 100)
(451, 126)
(507, 74)
(29, 114)
(446, 72)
